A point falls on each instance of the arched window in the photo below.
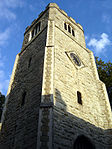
(83, 142)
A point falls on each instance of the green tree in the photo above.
(2, 100)
(105, 75)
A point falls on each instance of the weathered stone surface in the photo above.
(51, 116)
(21, 122)
(71, 119)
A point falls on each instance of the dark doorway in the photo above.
(83, 142)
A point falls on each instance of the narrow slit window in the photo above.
(79, 97)
(65, 26)
(73, 32)
(69, 29)
(29, 62)
(23, 99)
(32, 33)
(39, 26)
(30, 36)
(15, 127)
(36, 29)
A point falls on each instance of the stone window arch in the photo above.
(83, 142)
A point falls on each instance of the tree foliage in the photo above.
(105, 75)
(2, 100)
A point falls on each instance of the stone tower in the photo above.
(55, 99)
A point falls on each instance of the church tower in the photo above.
(55, 99)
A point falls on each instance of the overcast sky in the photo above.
(15, 15)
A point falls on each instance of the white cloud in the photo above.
(6, 8)
(100, 45)
(4, 36)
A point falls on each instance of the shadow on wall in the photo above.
(72, 132)
(69, 131)
(4, 146)
(19, 128)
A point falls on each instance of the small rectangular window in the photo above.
(23, 98)
(29, 62)
(73, 32)
(30, 36)
(36, 30)
(32, 33)
(65, 26)
(79, 98)
(69, 29)
(39, 26)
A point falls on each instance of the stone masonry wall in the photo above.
(67, 127)
(43, 19)
(71, 119)
(73, 79)
(60, 17)
(19, 128)
(62, 119)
